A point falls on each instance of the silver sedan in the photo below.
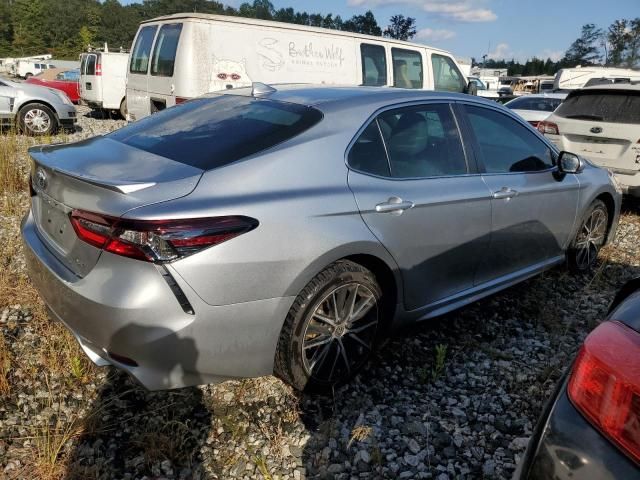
(289, 230)
(34, 109)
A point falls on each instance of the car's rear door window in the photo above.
(407, 68)
(505, 146)
(602, 105)
(423, 141)
(210, 132)
(446, 76)
(368, 154)
(374, 65)
(142, 50)
(164, 51)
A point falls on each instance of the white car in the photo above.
(601, 123)
(536, 107)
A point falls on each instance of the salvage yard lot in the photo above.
(454, 397)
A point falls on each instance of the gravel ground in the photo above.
(456, 397)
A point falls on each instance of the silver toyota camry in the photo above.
(288, 230)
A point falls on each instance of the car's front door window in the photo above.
(505, 146)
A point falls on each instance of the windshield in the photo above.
(213, 131)
(612, 106)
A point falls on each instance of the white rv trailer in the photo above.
(575, 78)
(181, 56)
(103, 76)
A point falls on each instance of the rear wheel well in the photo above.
(386, 279)
(611, 208)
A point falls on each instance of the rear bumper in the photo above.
(566, 446)
(125, 308)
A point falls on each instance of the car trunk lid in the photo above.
(103, 176)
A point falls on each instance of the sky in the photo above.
(471, 28)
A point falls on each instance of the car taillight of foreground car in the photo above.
(157, 240)
(605, 384)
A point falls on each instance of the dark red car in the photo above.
(60, 79)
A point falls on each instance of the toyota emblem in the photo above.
(41, 179)
(596, 130)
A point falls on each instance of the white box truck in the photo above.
(181, 56)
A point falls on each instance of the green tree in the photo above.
(584, 50)
(401, 28)
(366, 24)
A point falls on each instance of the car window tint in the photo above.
(407, 68)
(91, 65)
(374, 65)
(367, 154)
(602, 105)
(164, 52)
(423, 142)
(209, 132)
(142, 49)
(83, 63)
(505, 145)
(446, 75)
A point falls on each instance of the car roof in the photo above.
(632, 87)
(338, 97)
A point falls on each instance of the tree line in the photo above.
(64, 28)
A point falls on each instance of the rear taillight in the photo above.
(605, 384)
(534, 123)
(180, 100)
(548, 128)
(157, 240)
(98, 66)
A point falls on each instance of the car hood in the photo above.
(37, 91)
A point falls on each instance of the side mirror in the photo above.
(569, 163)
(471, 88)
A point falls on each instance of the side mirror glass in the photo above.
(471, 89)
(569, 163)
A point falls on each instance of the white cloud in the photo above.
(502, 51)
(456, 10)
(434, 35)
(554, 55)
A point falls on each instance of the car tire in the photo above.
(27, 76)
(123, 108)
(319, 349)
(37, 119)
(590, 237)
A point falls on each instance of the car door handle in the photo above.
(505, 192)
(394, 205)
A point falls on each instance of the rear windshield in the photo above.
(602, 105)
(534, 103)
(142, 50)
(91, 65)
(164, 52)
(210, 132)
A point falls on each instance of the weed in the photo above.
(77, 367)
(360, 433)
(441, 355)
(261, 463)
(5, 366)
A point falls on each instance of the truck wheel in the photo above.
(37, 119)
(123, 108)
(27, 75)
